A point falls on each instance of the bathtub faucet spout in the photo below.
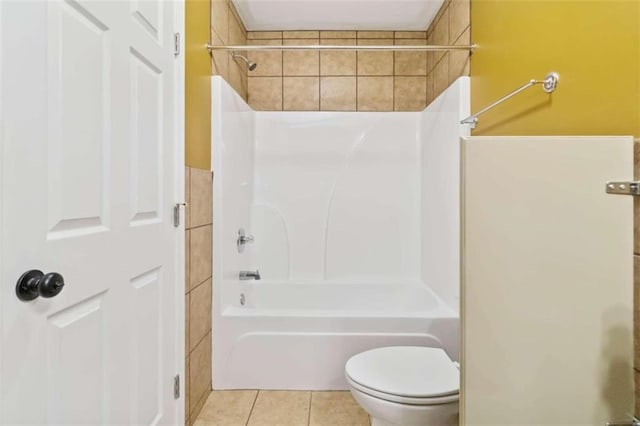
(249, 275)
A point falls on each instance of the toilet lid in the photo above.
(409, 371)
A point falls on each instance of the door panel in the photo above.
(147, 346)
(146, 138)
(89, 183)
(76, 343)
(78, 69)
(547, 281)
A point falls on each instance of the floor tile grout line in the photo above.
(252, 406)
(309, 414)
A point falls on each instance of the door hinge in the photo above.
(176, 44)
(176, 213)
(624, 188)
(176, 387)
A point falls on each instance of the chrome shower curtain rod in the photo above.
(412, 48)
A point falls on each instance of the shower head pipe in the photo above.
(250, 64)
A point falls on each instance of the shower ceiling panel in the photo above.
(273, 15)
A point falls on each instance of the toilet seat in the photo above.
(403, 399)
(405, 374)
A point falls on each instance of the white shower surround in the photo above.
(356, 219)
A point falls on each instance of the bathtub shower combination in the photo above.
(355, 225)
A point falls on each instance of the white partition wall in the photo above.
(440, 193)
(547, 281)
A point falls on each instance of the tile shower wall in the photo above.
(358, 81)
(198, 290)
(228, 29)
(636, 281)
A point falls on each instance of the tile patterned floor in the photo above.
(281, 408)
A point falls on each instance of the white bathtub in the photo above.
(298, 335)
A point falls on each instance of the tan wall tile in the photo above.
(187, 344)
(440, 35)
(338, 34)
(301, 94)
(187, 261)
(200, 253)
(236, 71)
(410, 93)
(338, 93)
(375, 63)
(245, 89)
(233, 13)
(265, 93)
(301, 63)
(636, 159)
(269, 62)
(187, 391)
(201, 211)
(636, 203)
(375, 93)
(200, 373)
(375, 34)
(636, 225)
(300, 34)
(430, 92)
(459, 18)
(280, 408)
(219, 59)
(229, 407)
(199, 313)
(441, 76)
(220, 19)
(431, 56)
(443, 8)
(636, 313)
(336, 408)
(338, 63)
(459, 60)
(187, 197)
(411, 63)
(636, 375)
(411, 34)
(237, 36)
(264, 35)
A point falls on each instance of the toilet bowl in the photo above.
(405, 386)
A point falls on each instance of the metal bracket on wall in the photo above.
(632, 422)
(624, 188)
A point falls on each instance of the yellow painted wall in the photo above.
(593, 44)
(197, 85)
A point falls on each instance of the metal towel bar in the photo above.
(549, 84)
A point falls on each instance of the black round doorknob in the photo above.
(34, 283)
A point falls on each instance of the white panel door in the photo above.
(90, 148)
(547, 296)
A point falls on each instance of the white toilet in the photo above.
(405, 386)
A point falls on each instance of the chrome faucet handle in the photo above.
(243, 239)
(249, 275)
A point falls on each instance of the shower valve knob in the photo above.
(33, 284)
(243, 239)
